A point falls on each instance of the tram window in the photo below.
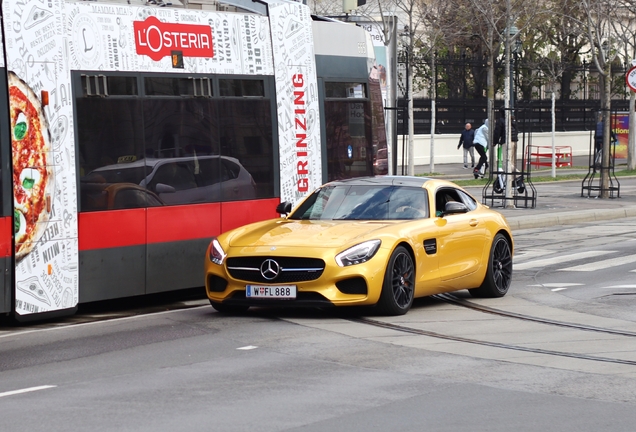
(246, 136)
(238, 87)
(349, 143)
(180, 127)
(161, 86)
(109, 134)
(103, 85)
(122, 86)
(129, 198)
(345, 90)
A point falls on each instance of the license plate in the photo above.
(271, 291)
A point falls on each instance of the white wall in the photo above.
(446, 145)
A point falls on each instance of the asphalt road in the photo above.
(442, 367)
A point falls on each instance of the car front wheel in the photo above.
(399, 283)
(499, 273)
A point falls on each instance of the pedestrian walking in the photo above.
(598, 142)
(499, 134)
(514, 138)
(466, 140)
(481, 144)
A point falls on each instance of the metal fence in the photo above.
(461, 85)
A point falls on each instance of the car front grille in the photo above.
(277, 269)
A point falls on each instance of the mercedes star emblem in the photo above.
(270, 269)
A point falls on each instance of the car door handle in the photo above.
(474, 222)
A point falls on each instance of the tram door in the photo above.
(6, 214)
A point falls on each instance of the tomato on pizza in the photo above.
(32, 176)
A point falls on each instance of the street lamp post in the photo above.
(606, 105)
(517, 46)
(509, 157)
(407, 41)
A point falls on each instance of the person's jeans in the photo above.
(470, 150)
(483, 159)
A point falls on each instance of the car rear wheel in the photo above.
(499, 273)
(399, 283)
(229, 309)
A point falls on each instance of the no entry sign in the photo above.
(630, 78)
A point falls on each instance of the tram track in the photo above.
(451, 299)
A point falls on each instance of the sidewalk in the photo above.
(557, 202)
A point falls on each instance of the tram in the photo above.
(131, 133)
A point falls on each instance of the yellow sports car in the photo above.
(366, 241)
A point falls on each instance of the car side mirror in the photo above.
(284, 208)
(454, 207)
(164, 188)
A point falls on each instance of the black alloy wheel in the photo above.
(499, 272)
(399, 283)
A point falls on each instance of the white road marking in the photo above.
(600, 265)
(556, 284)
(108, 321)
(558, 289)
(620, 286)
(531, 254)
(559, 259)
(26, 390)
(248, 347)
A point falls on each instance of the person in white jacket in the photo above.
(481, 144)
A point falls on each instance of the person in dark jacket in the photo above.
(514, 138)
(499, 134)
(466, 139)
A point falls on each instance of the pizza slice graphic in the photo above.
(32, 175)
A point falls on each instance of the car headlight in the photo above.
(217, 254)
(358, 254)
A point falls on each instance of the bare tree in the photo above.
(437, 17)
(597, 23)
(493, 23)
(553, 68)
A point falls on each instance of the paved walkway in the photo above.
(557, 202)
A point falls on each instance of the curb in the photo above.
(569, 218)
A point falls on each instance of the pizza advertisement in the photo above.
(43, 161)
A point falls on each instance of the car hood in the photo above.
(322, 234)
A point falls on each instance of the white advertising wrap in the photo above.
(297, 100)
(109, 37)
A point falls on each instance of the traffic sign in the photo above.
(630, 78)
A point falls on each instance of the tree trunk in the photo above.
(508, 164)
(605, 162)
(491, 105)
(409, 83)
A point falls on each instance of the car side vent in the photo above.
(356, 285)
(430, 246)
(216, 283)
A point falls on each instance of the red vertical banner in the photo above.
(620, 126)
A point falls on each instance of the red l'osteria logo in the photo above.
(157, 39)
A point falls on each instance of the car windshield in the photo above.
(364, 202)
